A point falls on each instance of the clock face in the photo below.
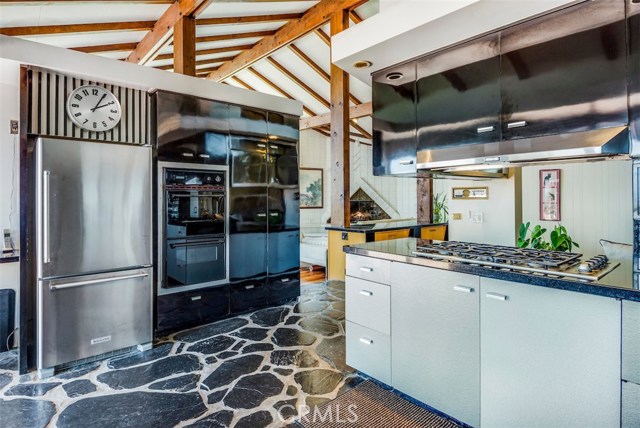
(93, 108)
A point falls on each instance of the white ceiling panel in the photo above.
(298, 68)
(73, 40)
(114, 55)
(213, 30)
(34, 14)
(217, 55)
(237, 8)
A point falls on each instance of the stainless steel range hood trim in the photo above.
(602, 143)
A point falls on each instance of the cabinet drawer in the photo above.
(368, 268)
(368, 304)
(437, 233)
(392, 234)
(369, 351)
(248, 295)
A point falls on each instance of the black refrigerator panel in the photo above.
(458, 96)
(176, 116)
(212, 126)
(565, 73)
(247, 121)
(284, 127)
(394, 121)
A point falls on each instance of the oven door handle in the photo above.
(198, 243)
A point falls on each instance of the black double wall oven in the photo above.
(227, 210)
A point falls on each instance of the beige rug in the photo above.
(370, 406)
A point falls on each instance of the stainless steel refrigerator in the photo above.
(93, 249)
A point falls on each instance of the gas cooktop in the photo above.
(556, 264)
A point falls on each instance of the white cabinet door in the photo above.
(550, 358)
(435, 339)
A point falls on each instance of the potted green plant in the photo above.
(440, 210)
(560, 238)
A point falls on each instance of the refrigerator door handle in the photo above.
(46, 253)
(96, 281)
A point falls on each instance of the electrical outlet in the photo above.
(456, 216)
(13, 126)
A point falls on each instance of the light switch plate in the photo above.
(13, 126)
(456, 216)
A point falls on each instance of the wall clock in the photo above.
(93, 108)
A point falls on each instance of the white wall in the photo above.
(596, 203)
(500, 211)
(397, 196)
(9, 167)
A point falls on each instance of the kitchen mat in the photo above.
(372, 407)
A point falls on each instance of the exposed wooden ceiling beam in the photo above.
(361, 130)
(243, 83)
(312, 19)
(184, 46)
(323, 36)
(89, 1)
(163, 28)
(201, 72)
(299, 82)
(355, 17)
(116, 47)
(318, 69)
(208, 51)
(360, 110)
(201, 62)
(77, 28)
(235, 36)
(248, 19)
(277, 88)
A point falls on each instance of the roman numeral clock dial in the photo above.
(93, 108)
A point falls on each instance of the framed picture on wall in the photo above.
(550, 195)
(311, 187)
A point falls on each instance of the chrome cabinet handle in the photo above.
(285, 279)
(96, 281)
(261, 215)
(204, 156)
(249, 287)
(46, 251)
(497, 296)
(187, 155)
(274, 214)
(274, 147)
(366, 341)
(196, 244)
(518, 124)
(262, 146)
(406, 162)
(484, 129)
(463, 289)
(366, 269)
(194, 298)
(366, 293)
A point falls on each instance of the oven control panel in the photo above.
(194, 180)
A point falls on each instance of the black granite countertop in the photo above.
(400, 250)
(9, 258)
(383, 226)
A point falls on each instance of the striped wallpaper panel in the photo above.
(48, 114)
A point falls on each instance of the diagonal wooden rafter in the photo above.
(40, 30)
(323, 36)
(277, 88)
(209, 51)
(355, 17)
(115, 47)
(243, 83)
(312, 19)
(360, 110)
(163, 28)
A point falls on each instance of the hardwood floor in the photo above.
(317, 274)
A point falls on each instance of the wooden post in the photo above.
(425, 200)
(340, 174)
(184, 46)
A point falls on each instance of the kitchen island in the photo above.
(373, 232)
(495, 348)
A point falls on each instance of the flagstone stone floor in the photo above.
(255, 370)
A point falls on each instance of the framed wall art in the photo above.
(550, 195)
(311, 187)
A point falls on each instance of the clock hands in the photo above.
(103, 105)
(98, 103)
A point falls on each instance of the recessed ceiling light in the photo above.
(394, 76)
(362, 64)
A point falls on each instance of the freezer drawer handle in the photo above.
(406, 162)
(484, 129)
(497, 296)
(194, 244)
(366, 341)
(249, 287)
(285, 280)
(187, 155)
(519, 124)
(46, 256)
(463, 289)
(274, 214)
(366, 293)
(366, 269)
(96, 281)
(261, 215)
(204, 156)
